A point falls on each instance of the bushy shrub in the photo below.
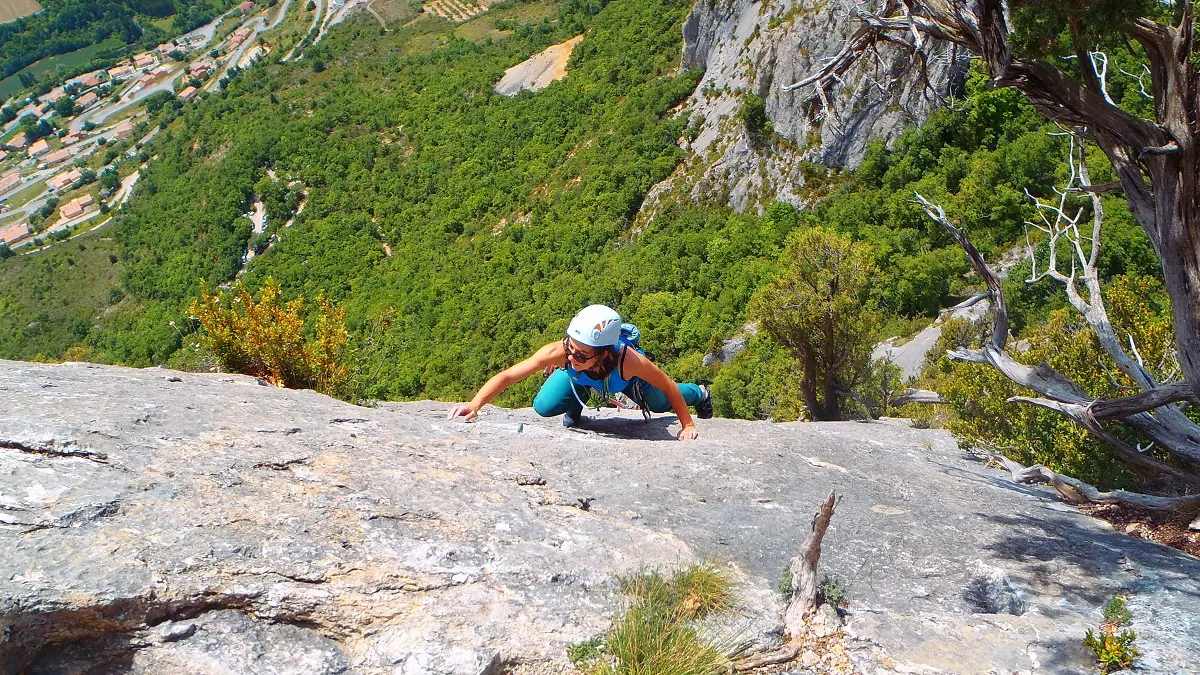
(1114, 650)
(754, 114)
(266, 337)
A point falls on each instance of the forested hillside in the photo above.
(460, 229)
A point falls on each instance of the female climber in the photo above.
(596, 354)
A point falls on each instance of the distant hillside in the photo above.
(460, 229)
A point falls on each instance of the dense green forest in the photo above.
(67, 25)
(460, 229)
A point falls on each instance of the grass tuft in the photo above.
(655, 635)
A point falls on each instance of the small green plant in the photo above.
(831, 592)
(1116, 612)
(784, 585)
(655, 634)
(584, 655)
(1114, 650)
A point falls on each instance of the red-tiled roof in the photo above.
(14, 232)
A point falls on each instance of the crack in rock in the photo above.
(53, 448)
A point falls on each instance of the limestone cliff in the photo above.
(160, 522)
(751, 46)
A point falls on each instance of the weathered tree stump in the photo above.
(804, 570)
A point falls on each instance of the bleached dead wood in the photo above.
(804, 570)
(1078, 492)
(923, 396)
(1060, 394)
(782, 655)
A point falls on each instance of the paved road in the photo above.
(260, 26)
(27, 110)
(337, 14)
(235, 56)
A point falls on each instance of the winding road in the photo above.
(234, 57)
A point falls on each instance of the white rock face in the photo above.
(186, 523)
(758, 47)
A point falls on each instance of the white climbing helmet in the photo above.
(596, 326)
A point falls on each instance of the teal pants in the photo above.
(555, 397)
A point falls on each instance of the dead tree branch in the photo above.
(1062, 395)
(923, 396)
(787, 653)
(1079, 492)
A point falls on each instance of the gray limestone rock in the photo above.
(756, 47)
(231, 528)
(990, 591)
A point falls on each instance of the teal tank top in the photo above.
(612, 384)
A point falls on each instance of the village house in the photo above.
(64, 180)
(3, 155)
(53, 95)
(14, 233)
(152, 77)
(71, 210)
(39, 148)
(121, 73)
(74, 137)
(246, 6)
(239, 36)
(18, 142)
(90, 80)
(56, 157)
(201, 69)
(165, 49)
(123, 129)
(144, 61)
(10, 181)
(85, 200)
(87, 100)
(187, 94)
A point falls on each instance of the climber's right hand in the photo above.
(463, 410)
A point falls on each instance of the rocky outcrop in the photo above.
(160, 522)
(757, 47)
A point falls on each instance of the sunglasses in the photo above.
(577, 355)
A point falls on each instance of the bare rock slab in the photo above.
(150, 519)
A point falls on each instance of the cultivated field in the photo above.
(11, 10)
(391, 11)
